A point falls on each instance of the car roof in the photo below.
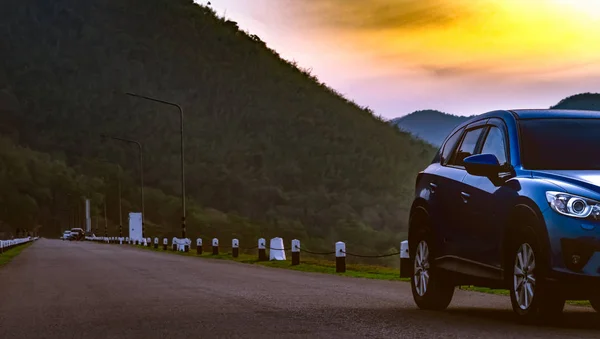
(523, 114)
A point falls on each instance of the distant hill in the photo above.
(430, 125)
(583, 101)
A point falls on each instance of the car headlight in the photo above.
(573, 205)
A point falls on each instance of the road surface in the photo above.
(57, 289)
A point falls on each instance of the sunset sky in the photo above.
(459, 56)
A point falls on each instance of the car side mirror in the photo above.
(483, 165)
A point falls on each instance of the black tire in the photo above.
(545, 302)
(439, 290)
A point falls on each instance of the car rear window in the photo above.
(560, 144)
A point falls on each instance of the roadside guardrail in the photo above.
(276, 249)
(6, 245)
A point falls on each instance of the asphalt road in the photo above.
(57, 289)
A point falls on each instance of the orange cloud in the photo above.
(458, 37)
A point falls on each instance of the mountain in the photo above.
(582, 101)
(430, 125)
(267, 144)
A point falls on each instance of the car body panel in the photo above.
(471, 232)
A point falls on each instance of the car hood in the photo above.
(579, 182)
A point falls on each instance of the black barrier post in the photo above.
(262, 253)
(235, 248)
(215, 246)
(340, 257)
(295, 252)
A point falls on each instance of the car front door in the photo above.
(456, 238)
(485, 213)
(442, 183)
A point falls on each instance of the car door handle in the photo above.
(465, 196)
(433, 187)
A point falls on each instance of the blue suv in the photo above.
(511, 201)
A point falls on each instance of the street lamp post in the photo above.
(105, 220)
(139, 145)
(183, 221)
(121, 209)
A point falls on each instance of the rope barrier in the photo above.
(371, 256)
(278, 249)
(317, 253)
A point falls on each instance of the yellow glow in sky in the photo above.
(493, 36)
(397, 56)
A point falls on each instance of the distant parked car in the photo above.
(512, 201)
(66, 235)
(77, 234)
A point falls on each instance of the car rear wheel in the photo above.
(429, 288)
(531, 297)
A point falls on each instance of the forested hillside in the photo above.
(582, 101)
(266, 143)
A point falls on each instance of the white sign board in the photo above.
(135, 226)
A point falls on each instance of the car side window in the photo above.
(467, 147)
(449, 146)
(495, 144)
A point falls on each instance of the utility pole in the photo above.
(183, 217)
(121, 210)
(141, 159)
(105, 220)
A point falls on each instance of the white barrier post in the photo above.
(277, 249)
(235, 248)
(186, 246)
(127, 240)
(340, 257)
(405, 267)
(295, 252)
(215, 246)
(156, 243)
(199, 246)
(165, 244)
(174, 244)
(262, 253)
(148, 242)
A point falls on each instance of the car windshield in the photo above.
(560, 144)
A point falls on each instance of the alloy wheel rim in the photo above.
(421, 268)
(524, 278)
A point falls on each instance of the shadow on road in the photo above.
(471, 320)
(571, 319)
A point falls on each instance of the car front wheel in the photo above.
(531, 297)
